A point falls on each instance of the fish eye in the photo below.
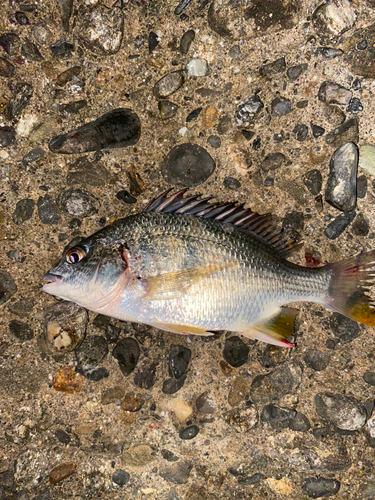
(75, 255)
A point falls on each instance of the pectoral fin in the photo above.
(183, 329)
(275, 329)
(173, 285)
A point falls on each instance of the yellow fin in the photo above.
(183, 329)
(275, 329)
(173, 285)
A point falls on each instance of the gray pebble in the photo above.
(42, 34)
(333, 93)
(62, 49)
(295, 72)
(232, 183)
(189, 433)
(214, 141)
(273, 68)
(101, 29)
(31, 52)
(168, 84)
(272, 161)
(66, 8)
(277, 417)
(347, 132)
(269, 388)
(22, 307)
(316, 359)
(318, 487)
(235, 53)
(329, 52)
(87, 173)
(7, 136)
(360, 226)
(361, 186)
(168, 455)
(280, 106)
(300, 132)
(179, 357)
(331, 19)
(127, 353)
(313, 181)
(91, 352)
(369, 378)
(172, 385)
(341, 188)
(249, 109)
(21, 331)
(7, 287)
(317, 131)
(47, 210)
(145, 377)
(153, 42)
(338, 225)
(355, 106)
(345, 412)
(205, 403)
(235, 351)
(186, 41)
(197, 67)
(24, 211)
(167, 109)
(299, 423)
(77, 202)
(9, 42)
(120, 477)
(343, 328)
(32, 156)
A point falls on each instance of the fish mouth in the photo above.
(51, 278)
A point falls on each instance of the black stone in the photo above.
(272, 161)
(300, 132)
(354, 106)
(205, 403)
(317, 131)
(280, 106)
(168, 455)
(329, 52)
(24, 211)
(112, 333)
(317, 487)
(360, 226)
(145, 376)
(277, 417)
(47, 210)
(9, 41)
(186, 41)
(22, 307)
(21, 18)
(369, 378)
(214, 141)
(280, 137)
(293, 220)
(62, 49)
(117, 129)
(91, 352)
(172, 385)
(62, 436)
(187, 164)
(338, 225)
(179, 357)
(126, 354)
(21, 330)
(32, 156)
(299, 423)
(235, 351)
(273, 68)
(269, 388)
(361, 186)
(189, 433)
(96, 374)
(19, 101)
(316, 360)
(343, 328)
(232, 183)
(73, 107)
(120, 477)
(7, 136)
(248, 134)
(295, 72)
(31, 52)
(193, 115)
(153, 41)
(256, 143)
(269, 181)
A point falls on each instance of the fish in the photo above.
(191, 266)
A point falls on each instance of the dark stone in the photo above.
(299, 423)
(338, 225)
(132, 402)
(317, 131)
(127, 354)
(270, 181)
(369, 378)
(205, 403)
(334, 115)
(186, 41)
(62, 436)
(277, 417)
(333, 93)
(21, 18)
(21, 330)
(153, 41)
(95, 374)
(316, 360)
(168, 84)
(193, 115)
(235, 53)
(167, 109)
(232, 183)
(113, 395)
(7, 136)
(293, 220)
(248, 134)
(168, 455)
(248, 110)
(361, 186)
(188, 165)
(47, 210)
(24, 211)
(117, 129)
(273, 68)
(254, 479)
(172, 385)
(89, 173)
(67, 75)
(32, 156)
(91, 352)
(343, 328)
(179, 357)
(120, 477)
(31, 52)
(360, 52)
(235, 351)
(272, 161)
(317, 487)
(189, 432)
(280, 106)
(355, 106)
(295, 72)
(313, 181)
(224, 125)
(23, 307)
(177, 473)
(62, 49)
(20, 100)
(360, 226)
(347, 132)
(73, 107)
(126, 197)
(300, 132)
(66, 8)
(345, 412)
(77, 202)
(9, 42)
(302, 104)
(145, 377)
(214, 141)
(329, 52)
(6, 68)
(269, 388)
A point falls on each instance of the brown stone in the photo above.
(132, 402)
(210, 116)
(361, 62)
(113, 395)
(62, 471)
(226, 368)
(67, 380)
(237, 391)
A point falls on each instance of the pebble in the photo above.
(167, 109)
(179, 357)
(94, 374)
(333, 93)
(235, 53)
(113, 395)
(9, 42)
(7, 287)
(186, 40)
(214, 141)
(333, 18)
(338, 225)
(126, 197)
(341, 187)
(235, 351)
(273, 356)
(355, 106)
(86, 172)
(177, 473)
(168, 455)
(366, 158)
(272, 161)
(316, 359)
(41, 34)
(210, 116)
(23, 307)
(317, 131)
(7, 136)
(153, 42)
(168, 84)
(360, 226)
(32, 156)
(172, 385)
(269, 388)
(47, 210)
(238, 391)
(359, 51)
(189, 432)
(273, 68)
(119, 128)
(277, 417)
(181, 409)
(6, 68)
(120, 477)
(313, 181)
(145, 376)
(347, 132)
(138, 456)
(293, 220)
(369, 378)
(77, 202)
(187, 165)
(334, 115)
(231, 183)
(127, 353)
(329, 52)
(73, 107)
(63, 436)
(280, 106)
(343, 328)
(242, 419)
(31, 52)
(132, 402)
(91, 352)
(295, 72)
(193, 115)
(24, 211)
(299, 423)
(300, 132)
(205, 403)
(68, 75)
(22, 331)
(101, 29)
(62, 49)
(345, 412)
(62, 471)
(66, 379)
(318, 487)
(248, 110)
(197, 67)
(66, 8)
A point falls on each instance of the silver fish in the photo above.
(190, 266)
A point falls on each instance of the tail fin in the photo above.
(350, 288)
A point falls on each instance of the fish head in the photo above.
(92, 271)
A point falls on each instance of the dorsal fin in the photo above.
(228, 213)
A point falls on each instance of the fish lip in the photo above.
(52, 278)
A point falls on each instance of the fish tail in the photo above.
(350, 289)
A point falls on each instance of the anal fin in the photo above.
(275, 329)
(182, 329)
